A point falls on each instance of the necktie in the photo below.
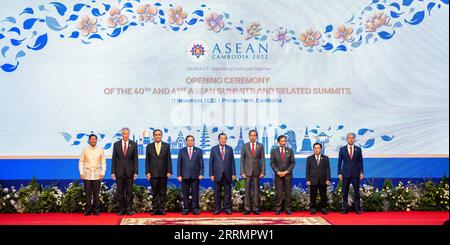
(318, 160)
(282, 153)
(190, 153)
(253, 149)
(351, 152)
(125, 149)
(158, 149)
(222, 153)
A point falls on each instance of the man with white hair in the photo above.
(350, 171)
(125, 171)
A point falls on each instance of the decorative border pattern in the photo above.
(98, 21)
(301, 144)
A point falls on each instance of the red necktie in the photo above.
(222, 153)
(253, 149)
(282, 153)
(351, 152)
(125, 149)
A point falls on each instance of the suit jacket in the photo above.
(218, 167)
(190, 168)
(350, 168)
(253, 166)
(124, 166)
(279, 165)
(318, 173)
(158, 166)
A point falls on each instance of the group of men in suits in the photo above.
(222, 170)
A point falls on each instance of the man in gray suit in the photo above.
(253, 168)
(282, 161)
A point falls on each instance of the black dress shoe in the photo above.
(196, 212)
(121, 213)
(162, 213)
(130, 213)
(257, 212)
(185, 212)
(324, 211)
(229, 212)
(96, 212)
(87, 213)
(153, 212)
(312, 211)
(358, 212)
(344, 212)
(277, 212)
(288, 212)
(217, 212)
(246, 212)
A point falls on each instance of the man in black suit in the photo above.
(318, 178)
(351, 171)
(282, 161)
(158, 167)
(125, 171)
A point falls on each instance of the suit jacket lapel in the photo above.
(279, 153)
(128, 148)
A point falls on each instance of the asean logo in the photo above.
(197, 51)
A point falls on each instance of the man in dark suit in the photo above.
(318, 178)
(190, 170)
(351, 171)
(253, 168)
(158, 167)
(282, 161)
(124, 171)
(222, 171)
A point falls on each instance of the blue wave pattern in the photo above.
(98, 21)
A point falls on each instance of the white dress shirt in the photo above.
(92, 164)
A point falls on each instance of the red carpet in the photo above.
(368, 218)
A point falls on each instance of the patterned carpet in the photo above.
(226, 221)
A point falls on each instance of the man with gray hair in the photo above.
(350, 171)
(124, 171)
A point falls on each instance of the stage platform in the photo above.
(267, 218)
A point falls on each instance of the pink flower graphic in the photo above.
(116, 18)
(376, 21)
(87, 25)
(177, 15)
(281, 36)
(253, 30)
(214, 22)
(344, 34)
(147, 12)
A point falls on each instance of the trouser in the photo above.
(322, 189)
(124, 194)
(92, 192)
(283, 187)
(159, 189)
(356, 197)
(224, 184)
(190, 187)
(252, 198)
